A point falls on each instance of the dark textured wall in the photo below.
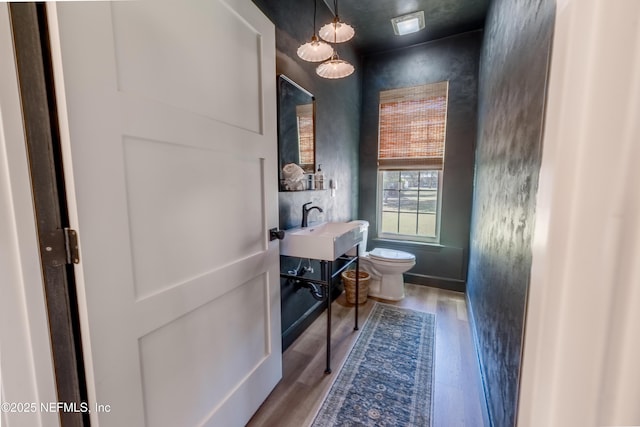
(455, 59)
(337, 137)
(513, 75)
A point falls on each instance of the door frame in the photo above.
(27, 369)
(582, 324)
(39, 117)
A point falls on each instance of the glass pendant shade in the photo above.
(336, 31)
(315, 50)
(335, 68)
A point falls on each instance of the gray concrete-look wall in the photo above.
(454, 59)
(513, 76)
(337, 139)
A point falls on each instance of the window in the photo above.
(411, 145)
(410, 203)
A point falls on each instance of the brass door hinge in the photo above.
(60, 247)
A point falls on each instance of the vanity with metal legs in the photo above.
(326, 278)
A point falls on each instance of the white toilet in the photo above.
(385, 266)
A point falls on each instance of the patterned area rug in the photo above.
(387, 378)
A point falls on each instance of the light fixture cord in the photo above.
(315, 6)
(335, 22)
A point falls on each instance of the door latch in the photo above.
(274, 234)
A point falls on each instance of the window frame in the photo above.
(408, 237)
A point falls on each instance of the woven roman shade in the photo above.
(413, 123)
(305, 133)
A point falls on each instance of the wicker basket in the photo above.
(349, 281)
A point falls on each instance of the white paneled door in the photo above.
(167, 112)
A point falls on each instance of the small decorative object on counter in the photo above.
(319, 178)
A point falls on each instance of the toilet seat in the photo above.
(392, 256)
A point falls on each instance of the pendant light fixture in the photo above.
(315, 50)
(335, 68)
(336, 31)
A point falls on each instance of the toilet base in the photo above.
(386, 297)
(389, 287)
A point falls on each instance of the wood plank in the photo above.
(458, 398)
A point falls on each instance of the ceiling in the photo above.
(372, 20)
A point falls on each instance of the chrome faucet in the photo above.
(305, 213)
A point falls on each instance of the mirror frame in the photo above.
(284, 80)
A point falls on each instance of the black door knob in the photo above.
(274, 234)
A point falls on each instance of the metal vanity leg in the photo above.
(326, 278)
(355, 328)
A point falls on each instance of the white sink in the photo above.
(324, 241)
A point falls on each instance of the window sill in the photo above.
(301, 191)
(416, 243)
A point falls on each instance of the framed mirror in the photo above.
(296, 126)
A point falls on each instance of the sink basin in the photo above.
(324, 241)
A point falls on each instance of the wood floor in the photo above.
(458, 396)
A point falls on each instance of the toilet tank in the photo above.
(364, 227)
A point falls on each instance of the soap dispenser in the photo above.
(319, 178)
